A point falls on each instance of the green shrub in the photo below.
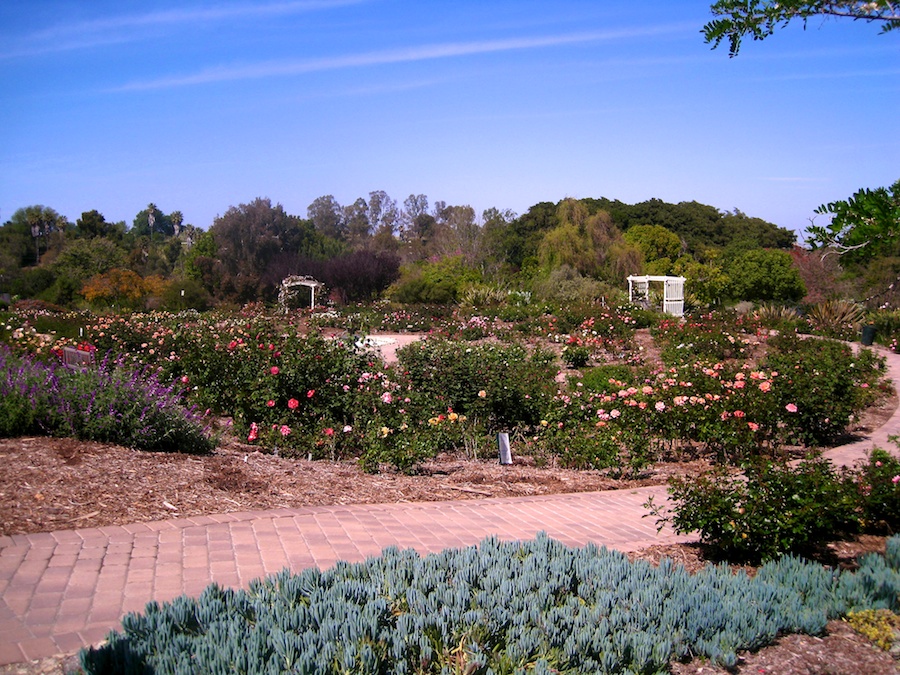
(434, 282)
(502, 607)
(770, 510)
(783, 318)
(887, 325)
(589, 447)
(839, 319)
(576, 356)
(608, 379)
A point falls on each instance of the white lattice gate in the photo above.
(673, 292)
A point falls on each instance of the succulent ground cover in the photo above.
(499, 607)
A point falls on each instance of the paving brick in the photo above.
(11, 653)
(68, 642)
(75, 607)
(37, 648)
(40, 620)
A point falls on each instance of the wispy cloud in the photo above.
(793, 179)
(126, 28)
(283, 68)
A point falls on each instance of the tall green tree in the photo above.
(758, 19)
(257, 244)
(152, 222)
(327, 217)
(32, 230)
(384, 217)
(356, 223)
(83, 258)
(92, 224)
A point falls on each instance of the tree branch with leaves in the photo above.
(863, 227)
(737, 19)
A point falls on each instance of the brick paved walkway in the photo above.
(62, 590)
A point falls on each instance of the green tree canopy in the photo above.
(83, 258)
(654, 242)
(92, 224)
(758, 19)
(764, 275)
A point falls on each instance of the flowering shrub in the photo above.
(605, 336)
(301, 384)
(824, 384)
(24, 394)
(476, 328)
(25, 338)
(383, 316)
(516, 384)
(107, 404)
(876, 485)
(709, 338)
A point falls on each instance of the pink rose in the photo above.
(293, 404)
(310, 393)
(285, 430)
(270, 403)
(791, 408)
(274, 370)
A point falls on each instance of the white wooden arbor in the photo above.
(673, 292)
(290, 289)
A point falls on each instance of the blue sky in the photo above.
(199, 106)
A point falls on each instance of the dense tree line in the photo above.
(414, 251)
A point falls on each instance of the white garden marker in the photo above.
(503, 445)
